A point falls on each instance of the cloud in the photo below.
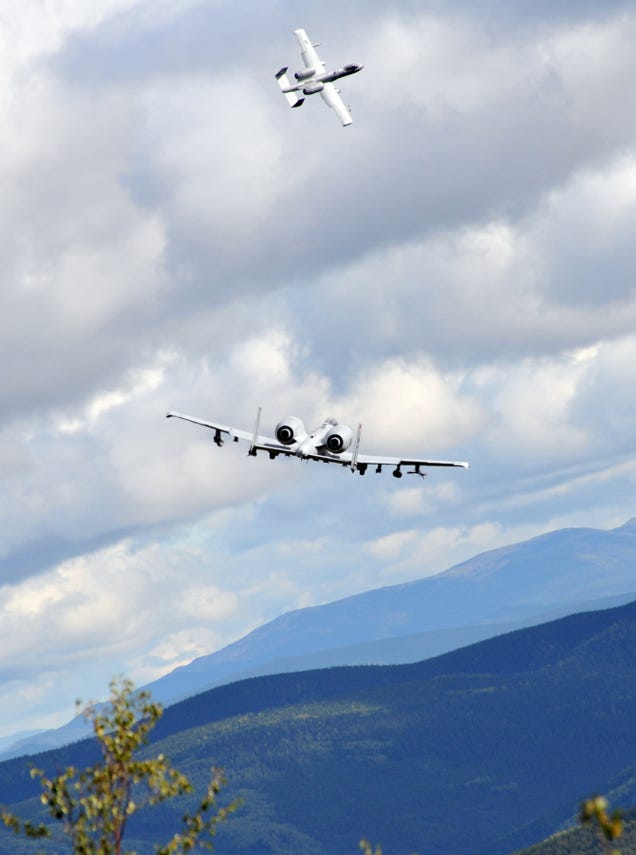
(455, 271)
(91, 612)
(32, 31)
(412, 403)
(405, 552)
(83, 263)
(421, 501)
(585, 236)
(391, 546)
(498, 289)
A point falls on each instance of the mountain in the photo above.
(555, 574)
(7, 742)
(584, 840)
(478, 751)
(570, 838)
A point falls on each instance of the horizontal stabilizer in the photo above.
(283, 81)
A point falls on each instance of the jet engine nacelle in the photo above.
(339, 439)
(290, 430)
(305, 74)
(313, 88)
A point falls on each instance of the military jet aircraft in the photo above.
(328, 443)
(315, 78)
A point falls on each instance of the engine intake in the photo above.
(339, 439)
(313, 88)
(290, 430)
(305, 74)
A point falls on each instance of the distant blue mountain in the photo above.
(483, 750)
(560, 573)
(531, 582)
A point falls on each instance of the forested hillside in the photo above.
(486, 749)
(583, 841)
(556, 574)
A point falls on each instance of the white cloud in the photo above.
(531, 405)
(30, 29)
(426, 553)
(82, 265)
(219, 186)
(559, 278)
(409, 402)
(445, 65)
(141, 382)
(123, 608)
(421, 501)
(455, 271)
(454, 65)
(391, 546)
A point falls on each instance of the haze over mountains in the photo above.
(562, 572)
(482, 750)
(529, 582)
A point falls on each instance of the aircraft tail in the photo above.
(356, 449)
(283, 81)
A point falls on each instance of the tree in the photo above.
(608, 826)
(95, 804)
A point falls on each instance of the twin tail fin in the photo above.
(293, 98)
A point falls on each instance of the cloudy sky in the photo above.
(456, 270)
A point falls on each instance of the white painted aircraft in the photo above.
(315, 78)
(328, 443)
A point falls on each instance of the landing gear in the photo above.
(397, 473)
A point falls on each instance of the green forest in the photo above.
(484, 750)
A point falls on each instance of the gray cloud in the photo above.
(456, 270)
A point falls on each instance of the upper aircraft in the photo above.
(328, 443)
(315, 78)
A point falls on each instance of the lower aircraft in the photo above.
(330, 442)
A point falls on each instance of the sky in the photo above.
(456, 271)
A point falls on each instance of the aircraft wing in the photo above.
(332, 98)
(309, 53)
(258, 441)
(351, 459)
(362, 461)
(237, 433)
(375, 460)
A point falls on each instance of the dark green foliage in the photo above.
(486, 749)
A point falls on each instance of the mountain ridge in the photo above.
(465, 753)
(528, 582)
(407, 605)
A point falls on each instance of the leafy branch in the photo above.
(95, 804)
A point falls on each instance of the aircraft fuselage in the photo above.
(325, 77)
(315, 440)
